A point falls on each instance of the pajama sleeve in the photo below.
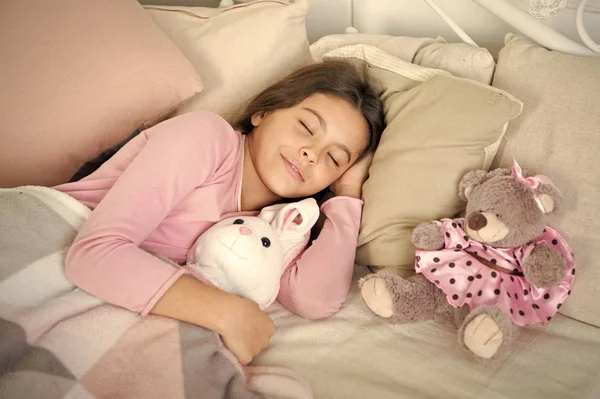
(180, 155)
(316, 284)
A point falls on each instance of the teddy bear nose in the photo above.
(477, 222)
(245, 231)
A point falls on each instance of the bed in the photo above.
(177, 56)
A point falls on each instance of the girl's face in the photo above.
(299, 151)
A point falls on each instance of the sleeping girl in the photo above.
(315, 130)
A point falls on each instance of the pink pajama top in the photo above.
(166, 187)
(465, 280)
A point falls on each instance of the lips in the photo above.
(293, 169)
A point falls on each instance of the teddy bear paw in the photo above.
(428, 236)
(377, 297)
(545, 267)
(482, 336)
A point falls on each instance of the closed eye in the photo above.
(306, 128)
(333, 159)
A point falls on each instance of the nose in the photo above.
(245, 231)
(477, 222)
(309, 155)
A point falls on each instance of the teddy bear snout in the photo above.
(477, 222)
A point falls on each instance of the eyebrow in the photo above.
(319, 117)
(324, 126)
(346, 150)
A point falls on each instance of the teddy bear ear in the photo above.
(470, 180)
(548, 197)
(546, 202)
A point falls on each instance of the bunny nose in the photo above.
(477, 222)
(245, 231)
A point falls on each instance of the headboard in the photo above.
(484, 21)
(186, 3)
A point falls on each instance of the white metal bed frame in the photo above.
(531, 26)
(520, 20)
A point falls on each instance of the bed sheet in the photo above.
(358, 355)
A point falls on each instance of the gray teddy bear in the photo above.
(498, 268)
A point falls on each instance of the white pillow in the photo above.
(238, 50)
(460, 59)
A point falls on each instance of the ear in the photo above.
(296, 218)
(547, 202)
(548, 198)
(257, 118)
(468, 183)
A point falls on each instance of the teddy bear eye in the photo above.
(265, 242)
(238, 221)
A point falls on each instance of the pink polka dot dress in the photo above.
(467, 281)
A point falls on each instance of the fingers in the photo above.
(245, 359)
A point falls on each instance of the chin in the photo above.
(285, 186)
(286, 190)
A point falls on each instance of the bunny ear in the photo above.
(269, 213)
(296, 218)
(292, 223)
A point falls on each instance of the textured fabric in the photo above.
(465, 280)
(558, 135)
(357, 355)
(166, 187)
(238, 50)
(60, 342)
(438, 128)
(459, 59)
(77, 78)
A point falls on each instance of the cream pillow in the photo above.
(76, 78)
(239, 50)
(459, 59)
(558, 135)
(438, 128)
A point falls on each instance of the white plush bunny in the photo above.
(246, 255)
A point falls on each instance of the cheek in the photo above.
(327, 174)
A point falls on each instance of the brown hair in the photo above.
(338, 78)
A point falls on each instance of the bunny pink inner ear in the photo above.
(291, 216)
(292, 213)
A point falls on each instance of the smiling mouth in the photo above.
(294, 170)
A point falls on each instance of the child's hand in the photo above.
(350, 183)
(245, 329)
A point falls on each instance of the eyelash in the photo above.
(334, 161)
(306, 127)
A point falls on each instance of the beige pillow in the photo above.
(78, 77)
(558, 135)
(239, 50)
(459, 59)
(438, 128)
